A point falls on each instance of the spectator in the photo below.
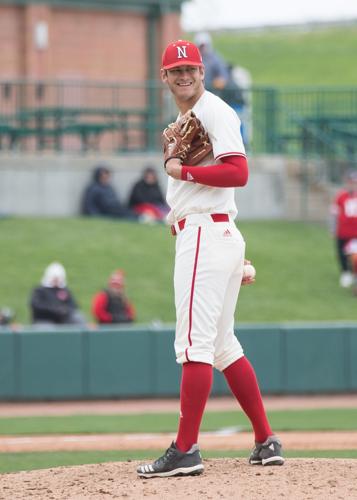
(52, 302)
(221, 78)
(216, 69)
(110, 306)
(100, 198)
(344, 224)
(146, 198)
(6, 317)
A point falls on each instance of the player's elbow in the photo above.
(242, 173)
(238, 167)
(244, 178)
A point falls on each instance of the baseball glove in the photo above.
(187, 140)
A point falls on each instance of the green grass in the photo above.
(90, 249)
(303, 420)
(13, 462)
(294, 56)
(289, 420)
(297, 273)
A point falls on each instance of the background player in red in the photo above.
(209, 261)
(344, 213)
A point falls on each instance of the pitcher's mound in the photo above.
(223, 478)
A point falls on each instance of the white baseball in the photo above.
(249, 271)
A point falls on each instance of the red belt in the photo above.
(215, 218)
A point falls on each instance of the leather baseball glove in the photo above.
(187, 140)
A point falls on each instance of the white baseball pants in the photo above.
(208, 274)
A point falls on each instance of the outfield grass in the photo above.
(13, 462)
(293, 56)
(282, 420)
(297, 276)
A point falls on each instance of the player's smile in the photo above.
(185, 82)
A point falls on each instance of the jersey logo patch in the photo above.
(227, 233)
(189, 177)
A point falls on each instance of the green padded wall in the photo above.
(316, 359)
(50, 365)
(7, 365)
(120, 363)
(140, 362)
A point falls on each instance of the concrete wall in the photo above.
(44, 185)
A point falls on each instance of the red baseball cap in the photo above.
(181, 53)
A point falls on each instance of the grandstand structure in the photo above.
(81, 78)
(80, 75)
(75, 73)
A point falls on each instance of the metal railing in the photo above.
(79, 116)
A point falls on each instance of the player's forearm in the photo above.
(232, 172)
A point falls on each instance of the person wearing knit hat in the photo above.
(111, 306)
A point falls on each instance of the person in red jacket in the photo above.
(111, 306)
(344, 212)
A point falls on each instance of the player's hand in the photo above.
(174, 168)
(247, 280)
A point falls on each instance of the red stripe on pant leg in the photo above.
(193, 289)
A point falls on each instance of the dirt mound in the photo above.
(223, 478)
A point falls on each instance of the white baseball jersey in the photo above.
(223, 127)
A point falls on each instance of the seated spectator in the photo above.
(100, 198)
(111, 305)
(146, 198)
(52, 302)
(6, 317)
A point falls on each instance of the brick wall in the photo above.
(11, 42)
(91, 45)
(82, 44)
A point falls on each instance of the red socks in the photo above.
(196, 383)
(243, 382)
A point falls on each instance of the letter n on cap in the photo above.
(181, 52)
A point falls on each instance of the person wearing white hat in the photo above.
(52, 302)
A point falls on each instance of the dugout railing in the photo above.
(82, 116)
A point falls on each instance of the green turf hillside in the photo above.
(320, 56)
(297, 275)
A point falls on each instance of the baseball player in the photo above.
(209, 263)
(344, 215)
